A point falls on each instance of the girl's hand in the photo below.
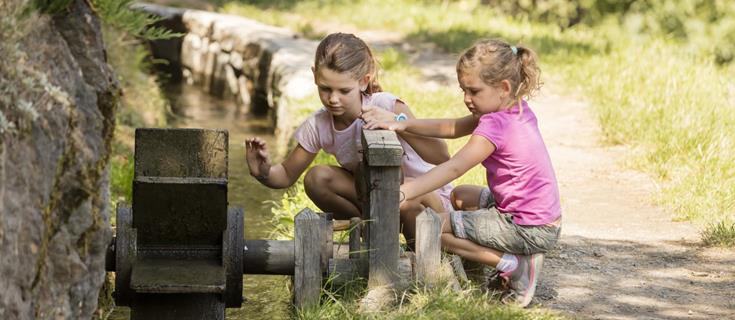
(256, 154)
(387, 125)
(372, 114)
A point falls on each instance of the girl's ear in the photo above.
(313, 71)
(364, 82)
(505, 87)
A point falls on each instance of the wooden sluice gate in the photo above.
(179, 252)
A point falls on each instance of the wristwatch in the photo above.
(401, 117)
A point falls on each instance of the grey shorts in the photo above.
(490, 228)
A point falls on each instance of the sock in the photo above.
(508, 263)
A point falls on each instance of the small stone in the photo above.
(699, 274)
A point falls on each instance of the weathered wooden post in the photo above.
(308, 242)
(382, 155)
(354, 243)
(428, 247)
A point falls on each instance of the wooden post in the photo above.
(428, 247)
(308, 243)
(354, 244)
(381, 164)
(327, 232)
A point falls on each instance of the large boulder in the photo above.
(54, 215)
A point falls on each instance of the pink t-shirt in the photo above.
(519, 172)
(318, 132)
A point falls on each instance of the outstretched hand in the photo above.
(256, 155)
(379, 118)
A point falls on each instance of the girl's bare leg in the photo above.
(412, 208)
(466, 248)
(332, 189)
(466, 197)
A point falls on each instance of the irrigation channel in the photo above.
(266, 296)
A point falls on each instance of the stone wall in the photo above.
(266, 68)
(54, 215)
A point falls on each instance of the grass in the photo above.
(664, 98)
(440, 303)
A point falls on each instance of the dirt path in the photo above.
(620, 256)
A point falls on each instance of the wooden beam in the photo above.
(308, 243)
(354, 244)
(382, 157)
(327, 233)
(428, 247)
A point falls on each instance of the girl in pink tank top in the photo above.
(513, 231)
(345, 75)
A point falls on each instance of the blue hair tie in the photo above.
(514, 49)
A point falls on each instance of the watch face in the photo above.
(401, 117)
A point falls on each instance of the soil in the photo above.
(620, 255)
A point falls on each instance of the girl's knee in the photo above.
(410, 207)
(318, 176)
(465, 197)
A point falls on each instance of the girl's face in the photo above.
(481, 98)
(339, 92)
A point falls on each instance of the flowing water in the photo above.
(266, 297)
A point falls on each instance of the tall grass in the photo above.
(440, 303)
(677, 109)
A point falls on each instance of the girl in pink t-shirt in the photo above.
(520, 217)
(345, 74)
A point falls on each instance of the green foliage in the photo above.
(142, 102)
(118, 14)
(439, 303)
(50, 6)
(720, 234)
(121, 174)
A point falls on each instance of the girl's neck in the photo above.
(510, 104)
(346, 119)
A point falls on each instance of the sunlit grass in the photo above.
(677, 110)
(419, 303)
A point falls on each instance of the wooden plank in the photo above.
(383, 154)
(181, 152)
(176, 213)
(327, 251)
(232, 256)
(308, 242)
(178, 276)
(428, 246)
(269, 257)
(126, 252)
(354, 244)
(381, 148)
(340, 225)
(343, 271)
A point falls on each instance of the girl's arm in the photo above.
(432, 150)
(279, 176)
(439, 128)
(474, 152)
